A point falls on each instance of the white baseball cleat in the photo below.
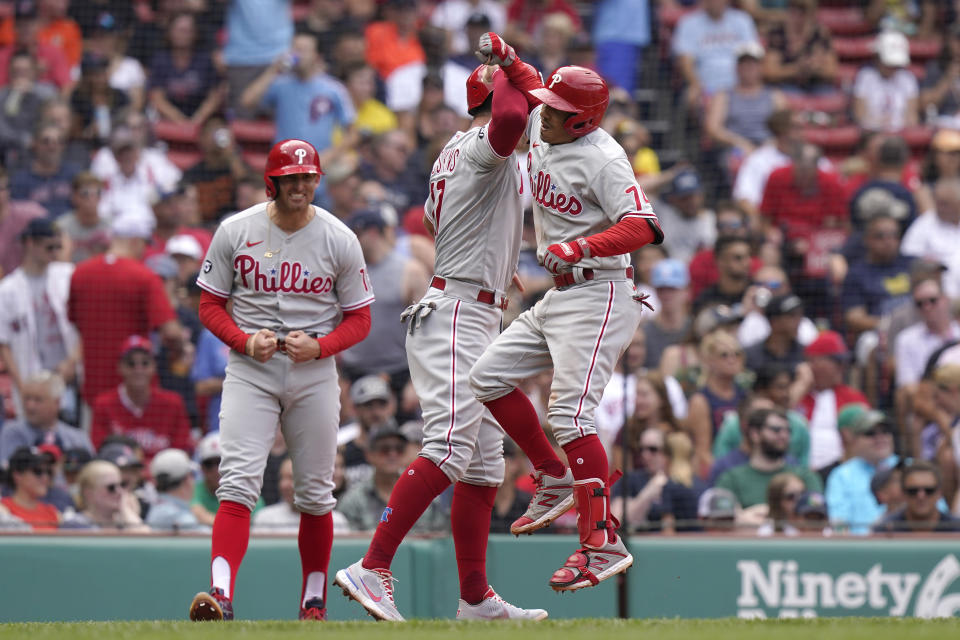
(493, 607)
(372, 588)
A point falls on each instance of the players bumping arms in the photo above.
(475, 214)
(287, 264)
(589, 214)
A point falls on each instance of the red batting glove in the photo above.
(563, 255)
(493, 50)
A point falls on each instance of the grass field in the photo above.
(585, 629)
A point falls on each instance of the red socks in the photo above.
(315, 541)
(519, 419)
(470, 521)
(587, 458)
(415, 490)
(231, 532)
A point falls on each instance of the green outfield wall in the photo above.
(106, 578)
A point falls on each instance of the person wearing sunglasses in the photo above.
(30, 475)
(921, 484)
(868, 440)
(101, 503)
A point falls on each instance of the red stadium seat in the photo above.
(833, 139)
(922, 50)
(917, 137)
(831, 103)
(176, 132)
(853, 49)
(844, 21)
(256, 131)
(183, 159)
(256, 160)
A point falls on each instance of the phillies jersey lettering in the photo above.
(475, 211)
(276, 279)
(581, 188)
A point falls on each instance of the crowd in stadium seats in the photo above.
(800, 374)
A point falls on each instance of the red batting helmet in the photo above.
(579, 91)
(477, 89)
(288, 157)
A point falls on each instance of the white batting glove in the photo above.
(415, 313)
(493, 50)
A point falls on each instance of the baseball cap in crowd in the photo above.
(388, 431)
(924, 268)
(366, 219)
(25, 458)
(413, 430)
(184, 245)
(209, 447)
(850, 413)
(811, 505)
(716, 503)
(670, 273)
(123, 137)
(74, 459)
(131, 226)
(136, 343)
(170, 466)
(93, 62)
(828, 343)
(479, 20)
(893, 49)
(867, 421)
(716, 316)
(162, 265)
(122, 455)
(685, 183)
(368, 388)
(39, 228)
(782, 305)
(883, 477)
(750, 49)
(946, 140)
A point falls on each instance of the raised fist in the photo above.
(561, 256)
(493, 50)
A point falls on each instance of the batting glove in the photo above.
(415, 313)
(561, 256)
(493, 50)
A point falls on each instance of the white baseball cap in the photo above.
(209, 446)
(184, 245)
(131, 226)
(893, 49)
(172, 465)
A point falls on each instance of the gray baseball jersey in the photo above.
(283, 282)
(477, 216)
(474, 208)
(581, 188)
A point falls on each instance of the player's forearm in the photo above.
(525, 78)
(214, 316)
(509, 117)
(354, 327)
(626, 236)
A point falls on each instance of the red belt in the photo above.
(566, 279)
(486, 296)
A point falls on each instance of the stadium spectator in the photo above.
(455, 16)
(785, 130)
(768, 282)
(942, 160)
(394, 50)
(651, 410)
(828, 358)
(705, 44)
(880, 281)
(684, 361)
(326, 20)
(402, 281)
(917, 18)
(133, 187)
(101, 502)
(152, 161)
(173, 471)
(939, 443)
(35, 333)
(183, 85)
(717, 510)
(736, 119)
(885, 95)
(106, 37)
(920, 482)
(722, 357)
(781, 348)
(556, 35)
(57, 29)
(216, 174)
(41, 392)
(672, 322)
(769, 437)
(52, 66)
(887, 186)
(732, 255)
(390, 164)
(20, 104)
(258, 33)
(114, 296)
(124, 453)
(204, 502)
(373, 117)
(525, 21)
(940, 89)
(208, 373)
(915, 344)
(30, 475)
(96, 105)
(46, 178)
(731, 221)
(281, 517)
(885, 486)
(155, 418)
(364, 502)
(850, 501)
(375, 407)
(783, 492)
(85, 233)
(621, 32)
(688, 226)
(935, 233)
(800, 55)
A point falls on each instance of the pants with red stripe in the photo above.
(580, 332)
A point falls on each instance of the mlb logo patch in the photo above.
(385, 516)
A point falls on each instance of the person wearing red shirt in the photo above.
(113, 296)
(52, 65)
(731, 221)
(525, 18)
(31, 475)
(59, 31)
(155, 418)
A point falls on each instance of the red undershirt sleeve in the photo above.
(352, 329)
(509, 117)
(525, 77)
(626, 236)
(214, 316)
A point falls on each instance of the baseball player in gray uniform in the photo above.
(475, 214)
(589, 214)
(300, 294)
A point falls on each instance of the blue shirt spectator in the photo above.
(849, 498)
(184, 87)
(47, 181)
(309, 109)
(621, 29)
(709, 39)
(210, 363)
(258, 31)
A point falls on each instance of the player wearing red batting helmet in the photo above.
(287, 158)
(580, 92)
(479, 87)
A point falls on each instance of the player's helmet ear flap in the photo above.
(287, 158)
(477, 89)
(579, 91)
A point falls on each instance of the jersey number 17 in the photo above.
(436, 197)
